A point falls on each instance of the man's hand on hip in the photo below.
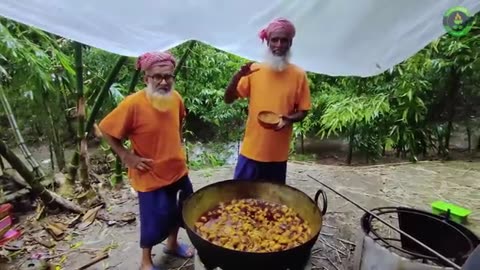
(135, 162)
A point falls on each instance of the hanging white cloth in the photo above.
(334, 37)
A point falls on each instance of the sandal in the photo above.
(181, 251)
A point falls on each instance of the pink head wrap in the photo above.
(150, 59)
(281, 24)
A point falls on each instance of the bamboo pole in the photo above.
(103, 92)
(48, 197)
(118, 176)
(32, 180)
(56, 143)
(134, 81)
(184, 57)
(75, 162)
(81, 132)
(96, 107)
(18, 136)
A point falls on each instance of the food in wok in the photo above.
(252, 225)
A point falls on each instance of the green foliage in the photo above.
(409, 109)
(202, 81)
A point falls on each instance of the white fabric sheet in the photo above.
(334, 37)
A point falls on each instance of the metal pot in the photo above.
(450, 239)
(213, 255)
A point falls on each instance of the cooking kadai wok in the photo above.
(253, 225)
(258, 217)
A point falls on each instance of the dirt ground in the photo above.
(411, 185)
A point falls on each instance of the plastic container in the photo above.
(454, 212)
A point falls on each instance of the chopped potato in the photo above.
(253, 225)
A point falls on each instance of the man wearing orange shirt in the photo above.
(273, 85)
(152, 120)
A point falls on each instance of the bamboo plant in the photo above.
(18, 136)
(81, 132)
(85, 129)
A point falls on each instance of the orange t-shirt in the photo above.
(154, 135)
(279, 92)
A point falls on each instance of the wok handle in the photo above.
(324, 197)
(179, 196)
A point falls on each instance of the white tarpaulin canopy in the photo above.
(334, 37)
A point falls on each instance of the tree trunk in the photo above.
(72, 168)
(350, 145)
(65, 107)
(118, 176)
(469, 138)
(302, 143)
(466, 97)
(180, 64)
(49, 198)
(81, 132)
(55, 140)
(104, 93)
(452, 97)
(184, 57)
(18, 136)
(52, 156)
(36, 187)
(134, 81)
(96, 107)
(83, 166)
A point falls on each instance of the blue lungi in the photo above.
(249, 169)
(159, 213)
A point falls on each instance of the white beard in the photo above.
(157, 93)
(277, 63)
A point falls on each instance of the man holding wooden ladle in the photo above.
(274, 85)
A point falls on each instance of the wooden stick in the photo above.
(332, 263)
(184, 264)
(346, 242)
(332, 247)
(94, 261)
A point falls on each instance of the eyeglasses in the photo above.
(161, 77)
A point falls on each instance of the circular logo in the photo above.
(457, 21)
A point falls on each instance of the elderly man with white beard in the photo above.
(273, 85)
(152, 120)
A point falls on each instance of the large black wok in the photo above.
(213, 255)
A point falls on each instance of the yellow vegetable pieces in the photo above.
(253, 226)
